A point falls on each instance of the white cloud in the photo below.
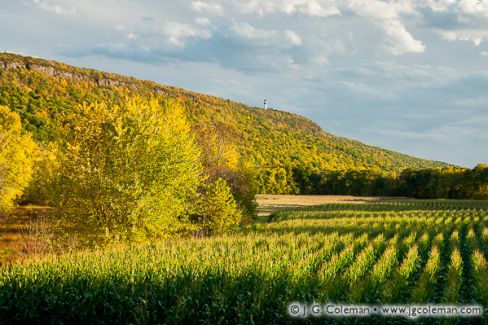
(247, 31)
(320, 60)
(468, 20)
(401, 40)
(436, 5)
(309, 8)
(474, 36)
(202, 21)
(177, 33)
(484, 53)
(54, 8)
(474, 7)
(265, 38)
(293, 38)
(313, 8)
(133, 36)
(207, 7)
(387, 17)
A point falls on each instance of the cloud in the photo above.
(207, 7)
(240, 47)
(263, 37)
(202, 21)
(463, 20)
(402, 41)
(54, 8)
(312, 8)
(293, 38)
(245, 30)
(319, 60)
(133, 36)
(474, 7)
(474, 36)
(309, 8)
(437, 5)
(178, 33)
(387, 17)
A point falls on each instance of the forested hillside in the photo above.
(276, 144)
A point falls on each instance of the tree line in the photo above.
(134, 170)
(432, 183)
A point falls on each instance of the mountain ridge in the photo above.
(39, 90)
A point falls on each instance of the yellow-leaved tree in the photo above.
(221, 160)
(217, 210)
(129, 171)
(17, 154)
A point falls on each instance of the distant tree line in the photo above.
(434, 183)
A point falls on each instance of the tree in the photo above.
(129, 171)
(219, 155)
(220, 159)
(17, 153)
(41, 189)
(218, 212)
(479, 175)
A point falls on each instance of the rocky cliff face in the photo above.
(10, 62)
(101, 79)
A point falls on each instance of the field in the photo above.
(270, 203)
(381, 251)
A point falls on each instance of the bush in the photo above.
(130, 171)
(218, 212)
(17, 154)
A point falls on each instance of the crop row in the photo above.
(393, 256)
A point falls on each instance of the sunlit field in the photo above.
(401, 251)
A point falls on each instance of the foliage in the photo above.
(130, 170)
(42, 188)
(221, 159)
(275, 143)
(217, 209)
(17, 155)
(252, 276)
(447, 182)
(456, 183)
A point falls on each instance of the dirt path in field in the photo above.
(269, 203)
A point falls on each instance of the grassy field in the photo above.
(382, 251)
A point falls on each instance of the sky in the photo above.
(410, 76)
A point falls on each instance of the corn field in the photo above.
(401, 251)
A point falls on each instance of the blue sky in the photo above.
(410, 76)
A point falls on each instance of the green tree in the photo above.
(479, 175)
(17, 154)
(218, 212)
(129, 171)
(220, 159)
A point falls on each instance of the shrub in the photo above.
(218, 212)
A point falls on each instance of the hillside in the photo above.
(275, 142)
